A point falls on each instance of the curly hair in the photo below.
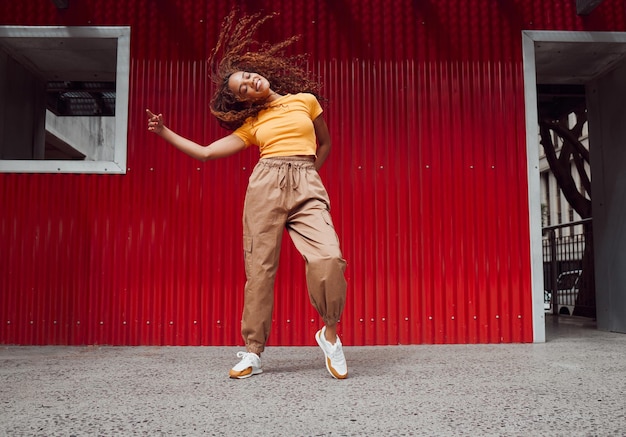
(238, 50)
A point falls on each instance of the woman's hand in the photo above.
(155, 122)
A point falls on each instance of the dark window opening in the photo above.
(95, 99)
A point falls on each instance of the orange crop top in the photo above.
(285, 128)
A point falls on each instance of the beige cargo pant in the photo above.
(287, 192)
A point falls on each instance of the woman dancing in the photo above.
(266, 98)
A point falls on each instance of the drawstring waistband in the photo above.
(289, 166)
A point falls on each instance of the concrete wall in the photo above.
(607, 135)
(94, 137)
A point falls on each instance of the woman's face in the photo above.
(249, 86)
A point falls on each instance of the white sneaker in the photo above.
(335, 359)
(249, 365)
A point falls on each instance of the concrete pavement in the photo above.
(572, 385)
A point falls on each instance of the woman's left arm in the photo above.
(323, 141)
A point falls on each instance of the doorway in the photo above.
(597, 61)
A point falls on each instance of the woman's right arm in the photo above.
(226, 146)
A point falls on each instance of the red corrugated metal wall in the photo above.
(427, 181)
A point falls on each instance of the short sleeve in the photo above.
(315, 109)
(245, 134)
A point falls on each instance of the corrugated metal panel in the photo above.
(427, 183)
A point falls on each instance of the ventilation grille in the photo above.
(81, 98)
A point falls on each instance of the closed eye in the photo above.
(243, 89)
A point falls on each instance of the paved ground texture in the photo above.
(572, 385)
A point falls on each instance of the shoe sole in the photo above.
(330, 369)
(242, 375)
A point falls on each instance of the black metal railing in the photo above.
(568, 269)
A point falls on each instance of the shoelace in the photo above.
(335, 353)
(245, 355)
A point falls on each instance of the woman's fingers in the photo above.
(155, 122)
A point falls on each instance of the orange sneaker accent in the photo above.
(333, 371)
(241, 373)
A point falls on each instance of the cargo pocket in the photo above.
(331, 235)
(247, 252)
(327, 218)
